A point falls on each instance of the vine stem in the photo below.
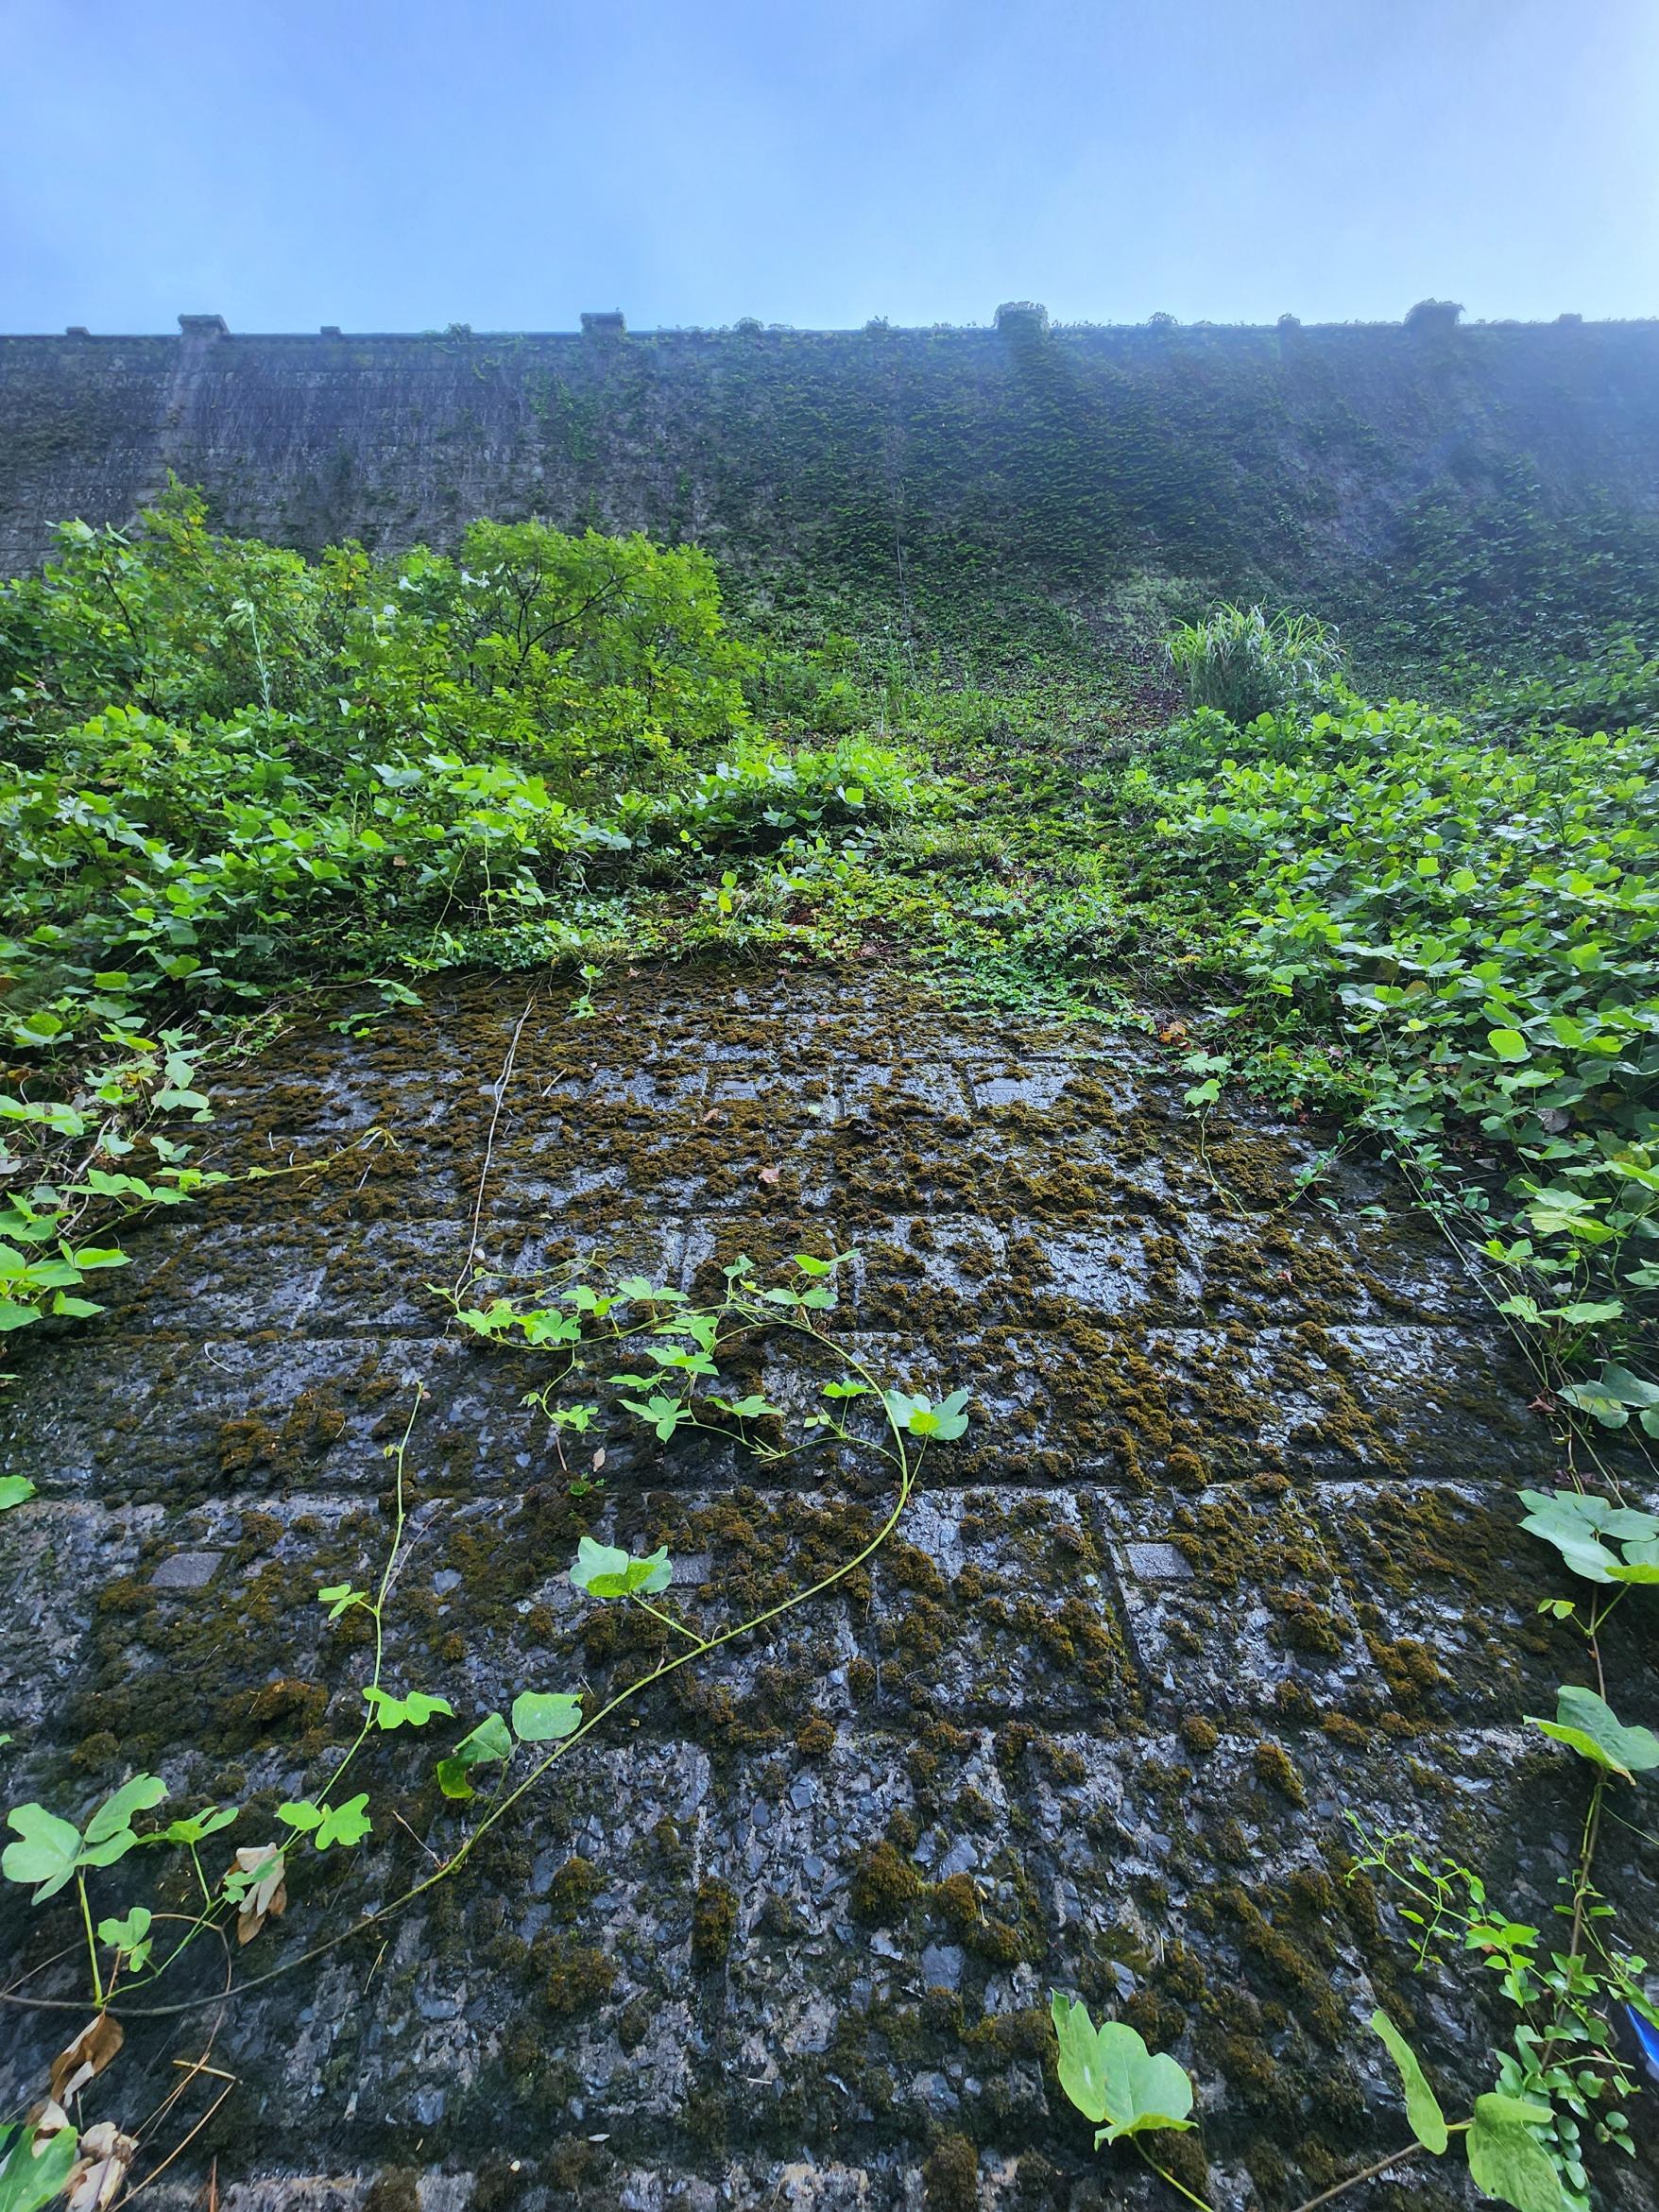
(400, 1451)
(91, 1943)
(1228, 1198)
(467, 1266)
(1575, 1435)
(668, 1622)
(1337, 2188)
(1370, 2172)
(756, 1317)
(400, 1521)
(1581, 1893)
(1165, 2175)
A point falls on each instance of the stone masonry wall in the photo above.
(1229, 1552)
(1070, 455)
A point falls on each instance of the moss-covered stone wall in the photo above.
(928, 464)
(1230, 1549)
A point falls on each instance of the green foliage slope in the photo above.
(228, 771)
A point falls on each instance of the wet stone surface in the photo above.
(1227, 1553)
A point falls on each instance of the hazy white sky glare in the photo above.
(400, 165)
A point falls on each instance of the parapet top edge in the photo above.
(462, 336)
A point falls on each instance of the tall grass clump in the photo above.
(1243, 661)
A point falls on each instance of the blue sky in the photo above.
(509, 163)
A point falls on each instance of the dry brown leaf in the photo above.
(89, 2054)
(248, 1924)
(95, 2178)
(47, 2121)
(267, 1897)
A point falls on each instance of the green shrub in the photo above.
(1243, 661)
(1434, 315)
(224, 768)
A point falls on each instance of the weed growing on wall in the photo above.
(223, 764)
(1454, 941)
(1242, 663)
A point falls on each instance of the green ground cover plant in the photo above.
(224, 764)
(226, 773)
(1451, 940)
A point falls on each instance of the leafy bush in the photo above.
(531, 641)
(1615, 685)
(221, 766)
(1504, 570)
(1243, 662)
(1434, 315)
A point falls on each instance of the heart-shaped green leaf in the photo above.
(197, 1827)
(47, 1851)
(415, 1707)
(1506, 2159)
(115, 1814)
(1587, 1724)
(489, 1742)
(131, 1935)
(126, 1932)
(542, 1717)
(339, 1597)
(1630, 1390)
(1113, 2079)
(664, 1414)
(1561, 1521)
(604, 1572)
(330, 1823)
(345, 1824)
(915, 1412)
(28, 2180)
